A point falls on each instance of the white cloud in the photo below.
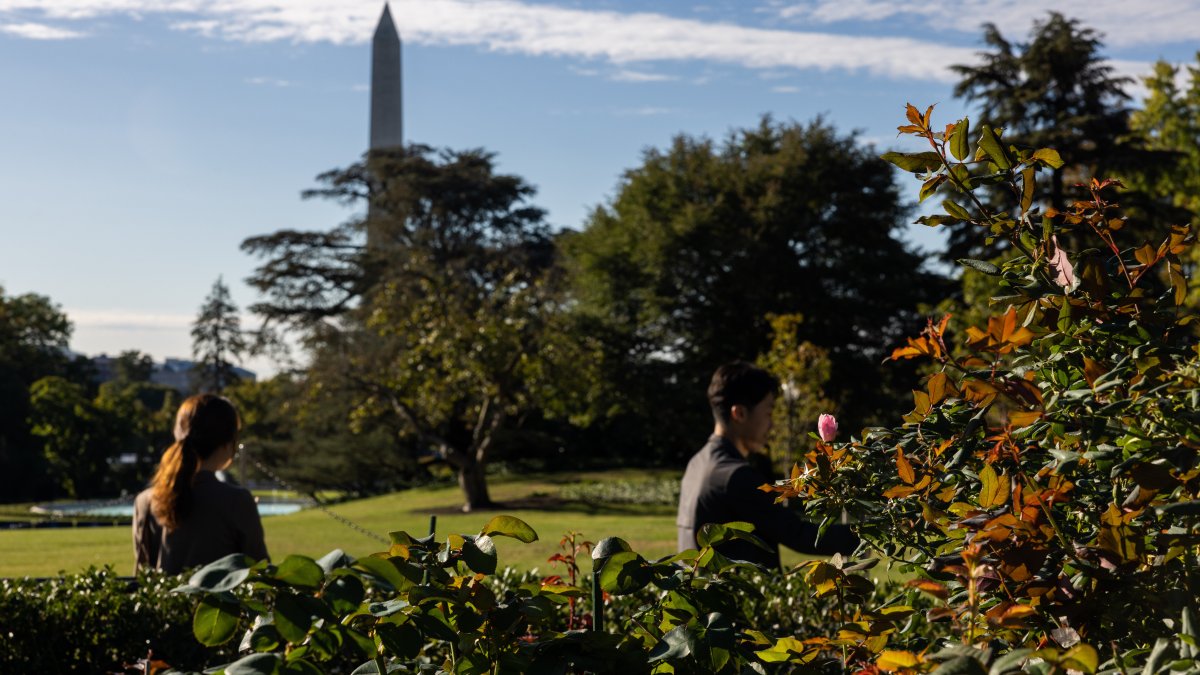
(786, 89)
(38, 31)
(534, 29)
(639, 76)
(1122, 22)
(129, 319)
(268, 82)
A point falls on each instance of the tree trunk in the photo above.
(473, 481)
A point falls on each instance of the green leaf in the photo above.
(715, 534)
(292, 617)
(917, 162)
(265, 638)
(255, 664)
(990, 144)
(480, 554)
(929, 187)
(624, 573)
(955, 209)
(1010, 662)
(298, 570)
(961, 665)
(300, 667)
(678, 643)
(403, 641)
(344, 593)
(509, 526)
(384, 570)
(214, 621)
(980, 266)
(1049, 157)
(610, 546)
(222, 575)
(1081, 657)
(960, 144)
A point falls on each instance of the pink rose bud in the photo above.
(827, 427)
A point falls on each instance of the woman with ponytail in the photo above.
(187, 517)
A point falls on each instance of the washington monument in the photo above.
(387, 113)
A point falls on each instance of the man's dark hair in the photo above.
(739, 383)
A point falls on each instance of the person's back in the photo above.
(721, 486)
(224, 519)
(187, 517)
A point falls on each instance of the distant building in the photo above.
(174, 373)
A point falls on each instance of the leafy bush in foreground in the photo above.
(95, 622)
(1047, 483)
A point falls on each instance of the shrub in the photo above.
(1046, 485)
(95, 622)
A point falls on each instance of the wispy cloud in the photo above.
(644, 111)
(38, 31)
(1123, 23)
(786, 89)
(268, 82)
(639, 76)
(129, 319)
(623, 39)
(539, 29)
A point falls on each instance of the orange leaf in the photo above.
(993, 489)
(931, 587)
(1023, 418)
(904, 467)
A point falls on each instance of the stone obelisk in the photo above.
(387, 114)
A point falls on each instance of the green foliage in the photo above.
(704, 240)
(424, 606)
(95, 622)
(1044, 486)
(33, 336)
(72, 431)
(804, 370)
(450, 342)
(660, 491)
(1169, 122)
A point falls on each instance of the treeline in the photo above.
(447, 326)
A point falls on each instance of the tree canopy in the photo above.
(705, 240)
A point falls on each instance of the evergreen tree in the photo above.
(217, 340)
(1055, 91)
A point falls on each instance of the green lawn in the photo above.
(650, 530)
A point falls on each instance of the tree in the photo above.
(72, 432)
(436, 329)
(134, 366)
(1169, 123)
(1056, 91)
(217, 340)
(33, 342)
(703, 241)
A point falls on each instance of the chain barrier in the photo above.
(313, 498)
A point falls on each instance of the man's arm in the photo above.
(776, 523)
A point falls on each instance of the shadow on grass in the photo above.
(545, 502)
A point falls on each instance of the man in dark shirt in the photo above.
(720, 486)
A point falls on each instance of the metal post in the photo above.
(597, 603)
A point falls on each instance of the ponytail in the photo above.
(171, 494)
(204, 424)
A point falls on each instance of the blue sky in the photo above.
(142, 140)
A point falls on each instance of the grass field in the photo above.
(649, 529)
